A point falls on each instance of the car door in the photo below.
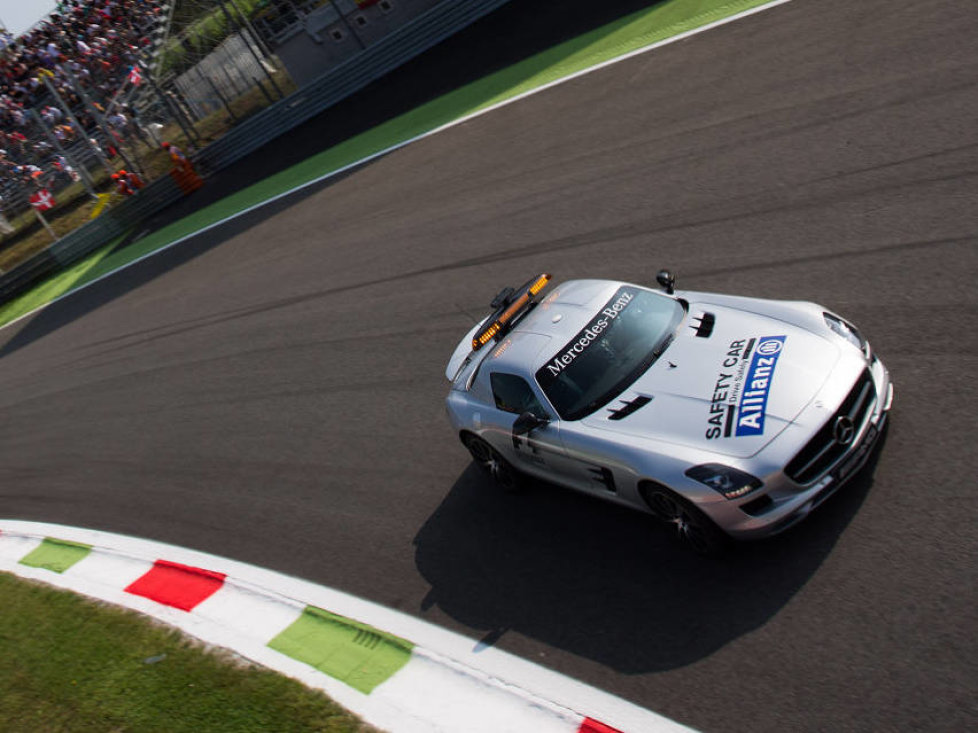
(537, 452)
(542, 451)
(586, 462)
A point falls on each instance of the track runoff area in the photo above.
(395, 671)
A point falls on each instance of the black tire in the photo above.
(693, 528)
(491, 463)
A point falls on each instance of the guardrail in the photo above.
(116, 221)
(343, 80)
(86, 239)
(402, 45)
(31, 272)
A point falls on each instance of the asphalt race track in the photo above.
(273, 391)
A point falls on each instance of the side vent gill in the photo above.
(627, 408)
(705, 327)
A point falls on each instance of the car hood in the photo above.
(730, 382)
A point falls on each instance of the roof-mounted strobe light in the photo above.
(507, 306)
(540, 283)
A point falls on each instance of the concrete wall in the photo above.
(313, 37)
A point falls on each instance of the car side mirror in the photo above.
(667, 280)
(527, 422)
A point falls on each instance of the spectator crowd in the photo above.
(86, 48)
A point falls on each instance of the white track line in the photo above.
(404, 143)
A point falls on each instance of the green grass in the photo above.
(54, 287)
(635, 31)
(69, 664)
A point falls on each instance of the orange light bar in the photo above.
(540, 283)
(512, 310)
(483, 338)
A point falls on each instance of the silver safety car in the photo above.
(723, 416)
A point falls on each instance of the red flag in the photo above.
(42, 200)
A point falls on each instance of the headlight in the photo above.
(846, 330)
(728, 481)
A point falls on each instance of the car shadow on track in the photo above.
(607, 583)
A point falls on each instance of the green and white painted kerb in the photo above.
(395, 671)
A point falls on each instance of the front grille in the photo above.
(824, 450)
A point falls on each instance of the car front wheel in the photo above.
(491, 463)
(692, 527)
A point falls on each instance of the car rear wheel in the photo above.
(491, 463)
(693, 528)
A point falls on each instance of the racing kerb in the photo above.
(395, 671)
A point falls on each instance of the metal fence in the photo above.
(222, 76)
(402, 45)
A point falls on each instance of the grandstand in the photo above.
(62, 109)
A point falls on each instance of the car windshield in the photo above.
(622, 340)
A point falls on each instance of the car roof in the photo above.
(552, 323)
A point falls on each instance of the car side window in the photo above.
(513, 394)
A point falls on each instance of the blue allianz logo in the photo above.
(757, 385)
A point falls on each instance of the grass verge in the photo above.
(70, 664)
(631, 33)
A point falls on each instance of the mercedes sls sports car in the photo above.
(723, 416)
